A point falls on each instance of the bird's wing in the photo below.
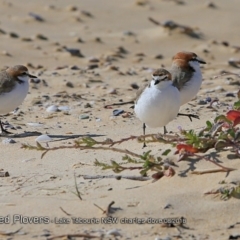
(6, 84)
(180, 76)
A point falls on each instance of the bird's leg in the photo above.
(189, 115)
(165, 130)
(3, 130)
(144, 128)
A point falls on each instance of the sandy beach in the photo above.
(88, 54)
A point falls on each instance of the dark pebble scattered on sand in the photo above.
(202, 102)
(8, 141)
(117, 112)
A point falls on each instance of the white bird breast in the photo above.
(157, 107)
(191, 88)
(9, 101)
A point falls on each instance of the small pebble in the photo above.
(74, 67)
(41, 37)
(35, 124)
(122, 50)
(134, 86)
(79, 40)
(230, 95)
(2, 31)
(13, 35)
(83, 116)
(64, 108)
(126, 115)
(4, 52)
(225, 43)
(93, 60)
(92, 66)
(36, 101)
(52, 108)
(129, 33)
(202, 102)
(219, 89)
(70, 85)
(131, 72)
(8, 141)
(141, 2)
(169, 24)
(72, 8)
(35, 80)
(98, 39)
(159, 56)
(234, 62)
(210, 5)
(26, 39)
(114, 232)
(168, 206)
(208, 99)
(87, 14)
(112, 91)
(87, 105)
(117, 112)
(36, 17)
(46, 97)
(114, 68)
(74, 52)
(43, 138)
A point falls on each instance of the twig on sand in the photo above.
(118, 177)
(118, 104)
(69, 236)
(108, 210)
(10, 233)
(68, 214)
(200, 172)
(222, 168)
(154, 21)
(78, 194)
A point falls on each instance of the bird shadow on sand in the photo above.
(59, 137)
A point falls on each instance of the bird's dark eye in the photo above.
(23, 74)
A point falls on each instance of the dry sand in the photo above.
(39, 187)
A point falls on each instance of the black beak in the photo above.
(31, 76)
(157, 82)
(200, 60)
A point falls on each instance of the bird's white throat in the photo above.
(161, 85)
(195, 65)
(23, 78)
